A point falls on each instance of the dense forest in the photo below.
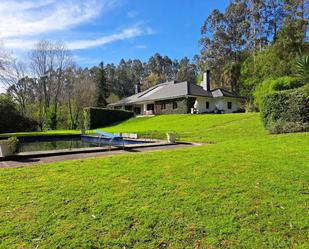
(251, 48)
(254, 41)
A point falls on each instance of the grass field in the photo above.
(203, 128)
(35, 133)
(246, 189)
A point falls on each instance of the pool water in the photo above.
(55, 145)
(42, 143)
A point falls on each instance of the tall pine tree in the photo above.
(103, 92)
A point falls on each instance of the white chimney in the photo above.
(138, 88)
(206, 81)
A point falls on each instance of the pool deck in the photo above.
(33, 158)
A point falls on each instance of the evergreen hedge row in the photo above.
(11, 120)
(95, 117)
(286, 111)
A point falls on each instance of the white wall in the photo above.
(200, 104)
(217, 104)
(144, 109)
(236, 104)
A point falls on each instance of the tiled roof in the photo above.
(169, 90)
(195, 90)
(219, 92)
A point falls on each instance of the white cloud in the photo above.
(20, 43)
(29, 18)
(122, 35)
(25, 22)
(127, 33)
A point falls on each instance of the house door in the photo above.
(137, 110)
(150, 107)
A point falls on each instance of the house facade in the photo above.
(179, 98)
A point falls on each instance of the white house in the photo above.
(180, 97)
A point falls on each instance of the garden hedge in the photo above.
(286, 111)
(11, 120)
(95, 117)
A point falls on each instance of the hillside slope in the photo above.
(197, 127)
(248, 190)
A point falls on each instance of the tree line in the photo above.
(247, 48)
(252, 41)
(53, 90)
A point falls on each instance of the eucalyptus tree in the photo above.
(259, 31)
(175, 68)
(237, 28)
(224, 37)
(187, 71)
(155, 64)
(124, 81)
(138, 71)
(275, 14)
(167, 69)
(159, 69)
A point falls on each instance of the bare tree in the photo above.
(6, 59)
(49, 60)
(79, 91)
(12, 71)
(19, 85)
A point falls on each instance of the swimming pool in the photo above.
(44, 143)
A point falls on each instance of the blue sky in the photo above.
(107, 30)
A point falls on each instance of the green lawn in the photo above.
(36, 133)
(247, 190)
(203, 128)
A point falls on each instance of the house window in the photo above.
(128, 108)
(175, 105)
(150, 107)
(137, 110)
(207, 105)
(163, 106)
(229, 105)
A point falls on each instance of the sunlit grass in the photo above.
(35, 133)
(247, 190)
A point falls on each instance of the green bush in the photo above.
(10, 118)
(99, 117)
(286, 111)
(270, 85)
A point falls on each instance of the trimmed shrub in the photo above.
(10, 118)
(286, 111)
(99, 117)
(271, 85)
